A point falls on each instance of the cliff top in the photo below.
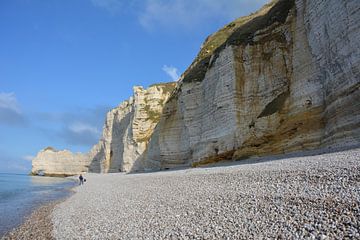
(216, 39)
(49, 148)
(241, 31)
(167, 87)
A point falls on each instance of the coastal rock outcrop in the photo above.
(128, 129)
(284, 79)
(52, 162)
(125, 136)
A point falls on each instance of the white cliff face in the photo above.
(128, 128)
(107, 154)
(51, 162)
(333, 32)
(284, 79)
(290, 85)
(126, 133)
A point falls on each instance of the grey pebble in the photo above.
(313, 197)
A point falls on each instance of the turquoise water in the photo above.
(21, 194)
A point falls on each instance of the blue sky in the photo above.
(65, 63)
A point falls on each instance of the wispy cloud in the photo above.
(80, 127)
(10, 113)
(180, 14)
(8, 101)
(28, 158)
(193, 13)
(80, 134)
(171, 71)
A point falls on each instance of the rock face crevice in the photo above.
(128, 129)
(284, 79)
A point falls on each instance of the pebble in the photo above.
(313, 197)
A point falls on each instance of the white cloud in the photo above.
(8, 101)
(171, 71)
(79, 127)
(175, 14)
(80, 133)
(28, 158)
(193, 13)
(10, 113)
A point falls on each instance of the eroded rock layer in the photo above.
(51, 162)
(125, 136)
(128, 129)
(284, 79)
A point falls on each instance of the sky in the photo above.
(65, 63)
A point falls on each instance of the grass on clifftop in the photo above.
(239, 32)
(220, 37)
(166, 87)
(50, 149)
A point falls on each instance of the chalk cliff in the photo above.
(128, 129)
(125, 136)
(51, 162)
(284, 79)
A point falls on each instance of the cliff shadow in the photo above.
(289, 156)
(117, 148)
(96, 160)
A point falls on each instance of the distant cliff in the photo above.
(284, 79)
(128, 129)
(51, 162)
(125, 136)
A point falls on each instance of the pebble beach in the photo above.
(314, 197)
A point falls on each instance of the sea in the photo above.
(22, 194)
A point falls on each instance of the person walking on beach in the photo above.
(81, 178)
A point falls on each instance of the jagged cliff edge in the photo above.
(284, 79)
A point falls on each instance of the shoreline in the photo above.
(312, 196)
(38, 223)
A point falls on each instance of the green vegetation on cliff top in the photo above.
(49, 148)
(167, 87)
(239, 32)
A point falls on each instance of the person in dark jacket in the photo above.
(81, 178)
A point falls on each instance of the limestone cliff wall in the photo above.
(51, 162)
(284, 79)
(125, 136)
(128, 128)
(287, 79)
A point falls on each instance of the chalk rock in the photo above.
(51, 162)
(286, 79)
(128, 129)
(125, 136)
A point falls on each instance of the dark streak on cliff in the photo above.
(275, 105)
(244, 35)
